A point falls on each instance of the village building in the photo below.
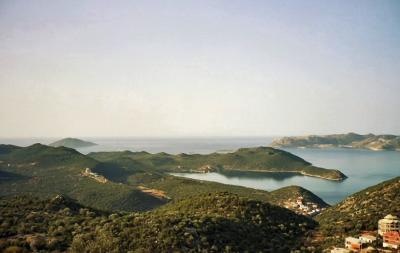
(388, 224)
(391, 240)
(88, 173)
(366, 238)
(353, 243)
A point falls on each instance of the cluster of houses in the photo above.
(301, 207)
(388, 230)
(88, 173)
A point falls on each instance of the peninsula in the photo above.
(258, 160)
(350, 140)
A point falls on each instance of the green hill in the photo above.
(360, 211)
(290, 193)
(350, 140)
(31, 224)
(261, 159)
(219, 222)
(72, 143)
(44, 171)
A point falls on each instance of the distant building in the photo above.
(340, 250)
(353, 243)
(391, 240)
(388, 224)
(365, 238)
(88, 173)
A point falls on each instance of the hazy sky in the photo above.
(198, 68)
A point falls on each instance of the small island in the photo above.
(350, 140)
(72, 143)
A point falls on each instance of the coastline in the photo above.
(339, 179)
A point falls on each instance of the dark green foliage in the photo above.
(29, 223)
(219, 222)
(5, 149)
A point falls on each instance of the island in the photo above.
(72, 143)
(349, 140)
(256, 160)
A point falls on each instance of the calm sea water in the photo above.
(364, 168)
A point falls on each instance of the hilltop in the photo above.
(261, 159)
(72, 143)
(44, 171)
(350, 140)
(360, 211)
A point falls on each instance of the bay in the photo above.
(364, 168)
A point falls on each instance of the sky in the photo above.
(198, 68)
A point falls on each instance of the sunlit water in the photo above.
(363, 168)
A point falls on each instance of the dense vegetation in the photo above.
(261, 159)
(219, 222)
(30, 224)
(361, 211)
(72, 143)
(350, 140)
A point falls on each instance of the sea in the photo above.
(363, 168)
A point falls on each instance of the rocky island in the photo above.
(350, 140)
(72, 143)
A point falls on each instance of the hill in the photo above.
(31, 224)
(72, 143)
(361, 211)
(261, 159)
(219, 222)
(44, 171)
(350, 140)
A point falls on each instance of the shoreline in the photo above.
(303, 173)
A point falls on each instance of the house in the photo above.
(353, 243)
(388, 224)
(366, 238)
(391, 240)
